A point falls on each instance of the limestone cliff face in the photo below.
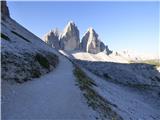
(4, 9)
(70, 38)
(52, 38)
(91, 43)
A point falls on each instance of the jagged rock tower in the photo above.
(70, 38)
(53, 38)
(91, 43)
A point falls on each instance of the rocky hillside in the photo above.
(134, 74)
(23, 55)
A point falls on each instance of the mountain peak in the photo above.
(91, 43)
(70, 37)
(71, 23)
(55, 31)
(90, 29)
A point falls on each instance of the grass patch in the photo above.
(20, 36)
(97, 102)
(155, 62)
(84, 81)
(5, 37)
(42, 61)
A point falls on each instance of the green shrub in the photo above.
(20, 36)
(5, 37)
(52, 58)
(42, 61)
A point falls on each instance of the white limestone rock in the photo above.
(70, 38)
(91, 43)
(53, 38)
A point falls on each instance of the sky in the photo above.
(121, 25)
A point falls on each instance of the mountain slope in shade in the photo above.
(24, 55)
(132, 103)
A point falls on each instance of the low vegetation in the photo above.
(36, 73)
(94, 100)
(5, 37)
(24, 67)
(155, 62)
(20, 36)
(141, 74)
(42, 61)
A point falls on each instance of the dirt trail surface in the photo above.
(53, 96)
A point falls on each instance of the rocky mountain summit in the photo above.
(52, 38)
(91, 43)
(70, 37)
(69, 40)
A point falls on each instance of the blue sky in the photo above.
(120, 25)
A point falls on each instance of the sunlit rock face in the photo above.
(70, 38)
(91, 43)
(52, 38)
